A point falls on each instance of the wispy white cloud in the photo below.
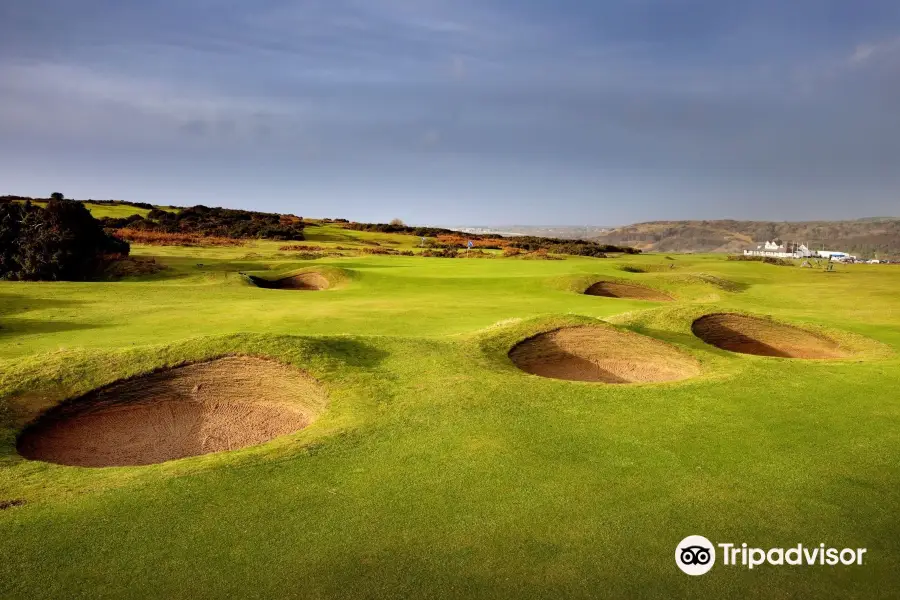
(867, 52)
(632, 85)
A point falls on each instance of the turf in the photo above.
(439, 470)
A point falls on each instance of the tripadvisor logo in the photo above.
(696, 555)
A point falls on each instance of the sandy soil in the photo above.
(748, 335)
(612, 289)
(602, 354)
(225, 404)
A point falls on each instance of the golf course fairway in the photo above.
(434, 467)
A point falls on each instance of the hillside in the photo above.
(863, 237)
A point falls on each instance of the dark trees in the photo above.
(60, 242)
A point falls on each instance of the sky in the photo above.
(479, 112)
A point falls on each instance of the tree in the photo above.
(57, 196)
(12, 214)
(398, 223)
(60, 242)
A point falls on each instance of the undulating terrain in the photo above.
(866, 237)
(421, 461)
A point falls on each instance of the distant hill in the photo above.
(863, 237)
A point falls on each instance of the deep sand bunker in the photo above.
(602, 354)
(224, 404)
(612, 289)
(749, 335)
(310, 281)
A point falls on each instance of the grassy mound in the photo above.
(203, 408)
(601, 354)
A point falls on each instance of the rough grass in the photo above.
(439, 469)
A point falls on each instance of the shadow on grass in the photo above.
(364, 265)
(10, 328)
(11, 304)
(350, 351)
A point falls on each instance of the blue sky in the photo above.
(462, 112)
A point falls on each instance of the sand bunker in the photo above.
(612, 289)
(225, 404)
(602, 354)
(749, 335)
(303, 281)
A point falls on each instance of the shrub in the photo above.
(458, 241)
(217, 222)
(441, 253)
(378, 251)
(159, 238)
(300, 248)
(769, 260)
(478, 253)
(511, 251)
(541, 254)
(59, 242)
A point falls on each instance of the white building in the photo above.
(779, 251)
(835, 255)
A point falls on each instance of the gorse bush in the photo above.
(300, 248)
(161, 238)
(442, 253)
(59, 242)
(563, 246)
(769, 260)
(215, 222)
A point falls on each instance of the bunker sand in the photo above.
(602, 354)
(612, 289)
(749, 335)
(225, 404)
(310, 281)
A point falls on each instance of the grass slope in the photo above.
(439, 469)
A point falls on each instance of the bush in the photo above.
(541, 254)
(144, 205)
(216, 222)
(769, 260)
(60, 242)
(562, 246)
(300, 248)
(511, 251)
(378, 251)
(159, 238)
(442, 253)
(478, 253)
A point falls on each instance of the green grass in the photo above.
(439, 470)
(116, 211)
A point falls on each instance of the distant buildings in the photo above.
(776, 250)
